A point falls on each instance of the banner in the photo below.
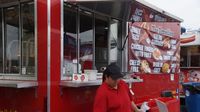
(190, 39)
(154, 47)
(144, 12)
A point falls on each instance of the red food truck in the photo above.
(53, 52)
(189, 61)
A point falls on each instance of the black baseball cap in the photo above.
(114, 71)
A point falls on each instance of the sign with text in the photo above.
(154, 47)
(143, 13)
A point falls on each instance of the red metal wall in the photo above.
(56, 100)
(65, 99)
(31, 99)
(153, 85)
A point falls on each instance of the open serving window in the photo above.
(190, 49)
(18, 40)
(90, 40)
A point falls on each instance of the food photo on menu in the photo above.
(152, 49)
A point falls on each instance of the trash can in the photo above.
(192, 96)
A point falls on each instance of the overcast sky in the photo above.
(188, 10)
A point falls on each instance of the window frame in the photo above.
(121, 34)
(20, 76)
(188, 57)
(5, 40)
(2, 33)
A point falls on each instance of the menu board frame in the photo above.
(154, 47)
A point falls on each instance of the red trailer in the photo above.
(189, 62)
(190, 49)
(47, 46)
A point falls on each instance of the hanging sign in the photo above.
(154, 47)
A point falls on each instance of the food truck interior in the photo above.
(100, 36)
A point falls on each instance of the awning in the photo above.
(128, 10)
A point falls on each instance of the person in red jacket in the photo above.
(114, 95)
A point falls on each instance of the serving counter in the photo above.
(18, 84)
(92, 83)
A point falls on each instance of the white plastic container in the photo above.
(75, 66)
(92, 74)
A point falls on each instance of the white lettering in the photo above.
(148, 49)
(134, 69)
(147, 55)
(157, 42)
(157, 64)
(173, 41)
(137, 47)
(139, 53)
(173, 66)
(159, 18)
(174, 47)
(174, 58)
(135, 62)
(135, 30)
(170, 53)
(157, 37)
(173, 70)
(166, 32)
(156, 70)
(138, 12)
(166, 57)
(136, 18)
(135, 36)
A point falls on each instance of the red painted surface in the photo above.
(153, 85)
(67, 99)
(55, 56)
(42, 53)
(31, 99)
(81, 99)
(171, 104)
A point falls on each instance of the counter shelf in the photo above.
(92, 83)
(18, 84)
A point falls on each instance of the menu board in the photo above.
(154, 47)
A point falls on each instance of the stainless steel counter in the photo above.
(92, 83)
(18, 84)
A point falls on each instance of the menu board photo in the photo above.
(154, 47)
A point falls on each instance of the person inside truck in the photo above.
(114, 95)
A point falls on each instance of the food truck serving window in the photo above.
(91, 40)
(190, 49)
(190, 56)
(17, 40)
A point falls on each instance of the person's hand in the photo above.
(139, 110)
